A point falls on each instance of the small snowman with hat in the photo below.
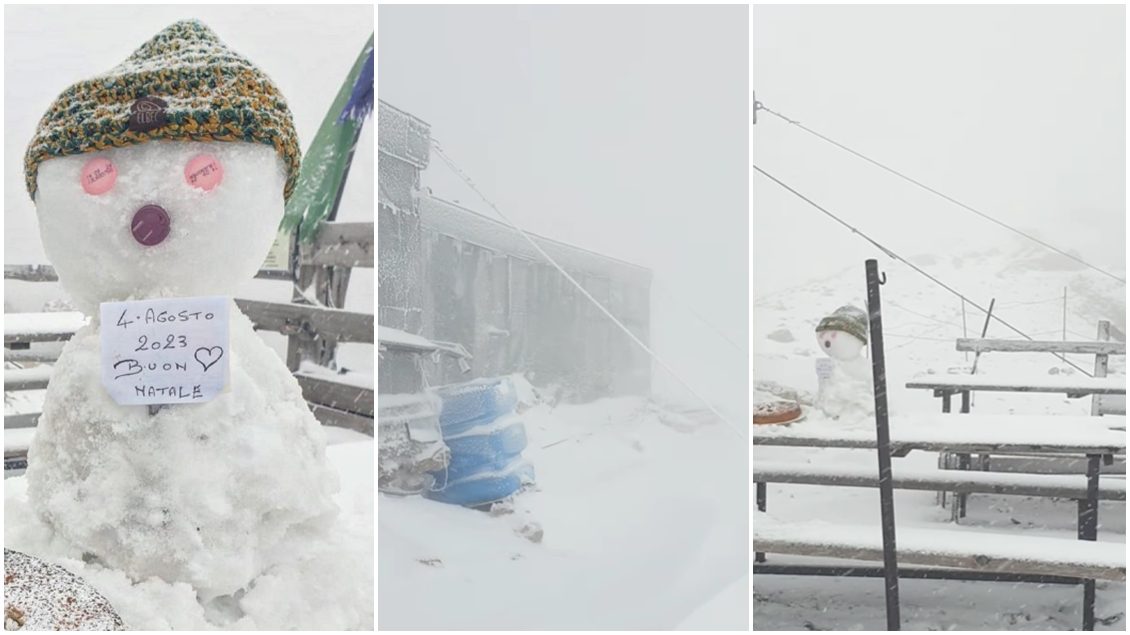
(174, 443)
(845, 377)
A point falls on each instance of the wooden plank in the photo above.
(24, 328)
(901, 448)
(971, 550)
(39, 353)
(346, 397)
(973, 345)
(994, 434)
(24, 420)
(341, 244)
(342, 419)
(292, 319)
(30, 273)
(962, 482)
(1040, 384)
(26, 378)
(46, 273)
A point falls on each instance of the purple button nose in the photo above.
(150, 225)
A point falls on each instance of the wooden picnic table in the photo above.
(945, 386)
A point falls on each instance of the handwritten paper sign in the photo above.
(824, 368)
(167, 351)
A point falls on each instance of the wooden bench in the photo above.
(936, 480)
(1097, 438)
(969, 550)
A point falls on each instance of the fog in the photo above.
(1018, 111)
(622, 130)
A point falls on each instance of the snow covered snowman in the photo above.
(845, 379)
(166, 177)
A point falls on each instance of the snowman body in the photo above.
(846, 392)
(212, 494)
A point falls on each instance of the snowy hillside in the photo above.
(921, 322)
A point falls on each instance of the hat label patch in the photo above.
(147, 113)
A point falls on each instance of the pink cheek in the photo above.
(204, 171)
(98, 176)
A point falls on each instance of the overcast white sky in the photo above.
(1016, 110)
(622, 129)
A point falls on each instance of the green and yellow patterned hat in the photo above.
(182, 85)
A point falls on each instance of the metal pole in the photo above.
(762, 495)
(964, 326)
(1065, 314)
(883, 439)
(1089, 530)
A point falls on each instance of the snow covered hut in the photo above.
(451, 274)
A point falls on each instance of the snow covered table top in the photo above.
(1044, 383)
(41, 327)
(962, 433)
(936, 479)
(977, 550)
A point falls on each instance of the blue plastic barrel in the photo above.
(485, 488)
(474, 403)
(485, 439)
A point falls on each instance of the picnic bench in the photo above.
(998, 557)
(1099, 386)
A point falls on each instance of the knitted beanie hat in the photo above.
(182, 85)
(848, 319)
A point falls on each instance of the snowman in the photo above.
(845, 379)
(166, 177)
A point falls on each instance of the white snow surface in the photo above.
(35, 323)
(327, 585)
(921, 323)
(645, 527)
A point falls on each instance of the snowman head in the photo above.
(166, 176)
(159, 219)
(843, 334)
(839, 345)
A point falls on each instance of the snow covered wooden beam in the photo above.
(973, 345)
(26, 378)
(972, 550)
(23, 328)
(936, 480)
(1042, 383)
(290, 319)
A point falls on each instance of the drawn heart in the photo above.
(208, 356)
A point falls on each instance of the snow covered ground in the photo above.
(644, 521)
(921, 322)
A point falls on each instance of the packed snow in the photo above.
(327, 584)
